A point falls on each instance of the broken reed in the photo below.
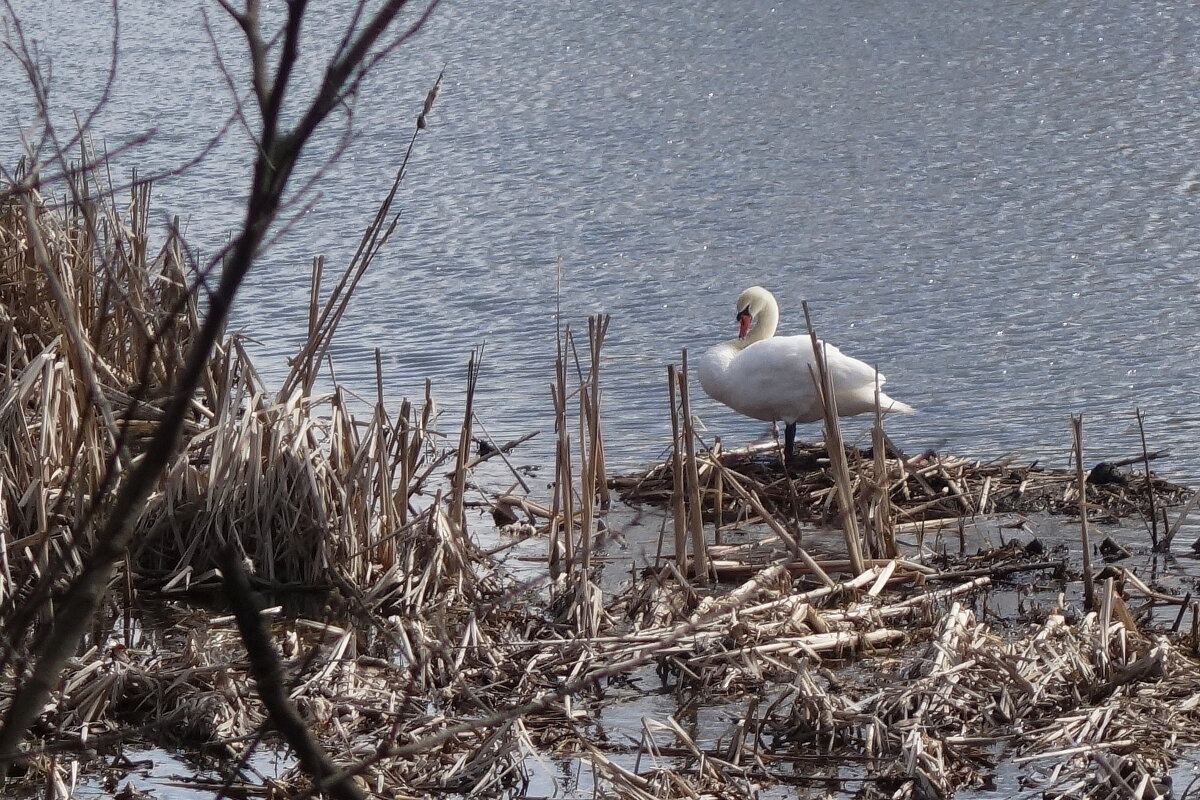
(592, 496)
(823, 383)
(687, 513)
(882, 523)
(1089, 592)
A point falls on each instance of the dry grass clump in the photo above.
(91, 330)
(294, 484)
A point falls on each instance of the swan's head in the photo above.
(750, 304)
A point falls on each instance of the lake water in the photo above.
(996, 202)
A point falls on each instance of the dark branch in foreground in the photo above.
(268, 674)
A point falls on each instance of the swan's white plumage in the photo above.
(768, 377)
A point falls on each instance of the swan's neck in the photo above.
(765, 323)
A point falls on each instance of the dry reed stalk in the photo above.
(582, 604)
(322, 326)
(837, 454)
(1089, 592)
(883, 523)
(1180, 520)
(593, 483)
(678, 497)
(695, 521)
(458, 486)
(408, 446)
(587, 489)
(598, 485)
(1154, 542)
(563, 506)
(718, 492)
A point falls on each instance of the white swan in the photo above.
(768, 377)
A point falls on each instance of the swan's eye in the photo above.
(745, 312)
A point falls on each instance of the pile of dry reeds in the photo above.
(926, 487)
(935, 700)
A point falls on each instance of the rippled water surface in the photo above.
(994, 201)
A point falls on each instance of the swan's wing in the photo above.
(848, 371)
(772, 379)
(793, 355)
(854, 383)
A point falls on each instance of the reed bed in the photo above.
(309, 496)
(428, 670)
(91, 329)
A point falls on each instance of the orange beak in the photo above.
(744, 321)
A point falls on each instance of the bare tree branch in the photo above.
(283, 70)
(268, 675)
(274, 164)
(227, 74)
(341, 71)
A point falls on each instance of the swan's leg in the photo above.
(789, 445)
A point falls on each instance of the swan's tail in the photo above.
(891, 406)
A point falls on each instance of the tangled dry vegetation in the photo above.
(427, 669)
(927, 487)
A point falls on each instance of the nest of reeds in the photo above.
(927, 487)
